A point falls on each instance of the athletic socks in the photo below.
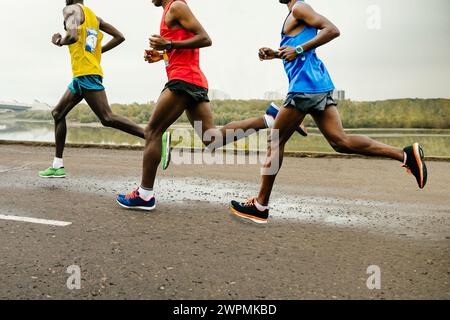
(58, 163)
(146, 193)
(260, 207)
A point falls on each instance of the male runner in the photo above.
(84, 39)
(181, 36)
(310, 92)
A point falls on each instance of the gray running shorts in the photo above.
(310, 102)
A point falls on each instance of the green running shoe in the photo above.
(166, 150)
(53, 173)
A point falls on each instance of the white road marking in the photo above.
(34, 220)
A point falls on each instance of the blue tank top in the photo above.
(310, 75)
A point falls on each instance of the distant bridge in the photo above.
(14, 107)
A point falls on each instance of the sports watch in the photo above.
(300, 52)
(169, 46)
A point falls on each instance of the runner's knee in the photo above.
(153, 131)
(107, 120)
(341, 144)
(56, 115)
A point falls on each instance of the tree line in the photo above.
(401, 113)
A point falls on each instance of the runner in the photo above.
(84, 39)
(181, 36)
(310, 92)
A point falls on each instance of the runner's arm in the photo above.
(117, 39)
(72, 21)
(268, 54)
(184, 16)
(152, 56)
(328, 31)
(305, 13)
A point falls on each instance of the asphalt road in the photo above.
(331, 220)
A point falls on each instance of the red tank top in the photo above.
(182, 64)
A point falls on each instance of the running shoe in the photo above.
(272, 113)
(415, 164)
(53, 173)
(248, 210)
(166, 150)
(135, 202)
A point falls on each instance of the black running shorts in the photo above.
(197, 93)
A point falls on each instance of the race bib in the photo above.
(166, 58)
(91, 40)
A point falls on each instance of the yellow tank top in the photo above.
(86, 53)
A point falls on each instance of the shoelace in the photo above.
(132, 195)
(249, 202)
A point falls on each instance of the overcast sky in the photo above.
(409, 56)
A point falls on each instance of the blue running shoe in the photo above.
(272, 113)
(135, 202)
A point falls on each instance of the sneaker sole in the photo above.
(136, 208)
(168, 151)
(52, 177)
(245, 216)
(302, 132)
(418, 157)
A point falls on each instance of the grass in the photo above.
(402, 113)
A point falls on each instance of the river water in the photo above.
(435, 142)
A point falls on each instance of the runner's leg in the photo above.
(286, 123)
(68, 101)
(168, 109)
(201, 112)
(330, 124)
(98, 102)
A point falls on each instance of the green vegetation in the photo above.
(402, 113)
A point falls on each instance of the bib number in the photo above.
(166, 58)
(91, 40)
